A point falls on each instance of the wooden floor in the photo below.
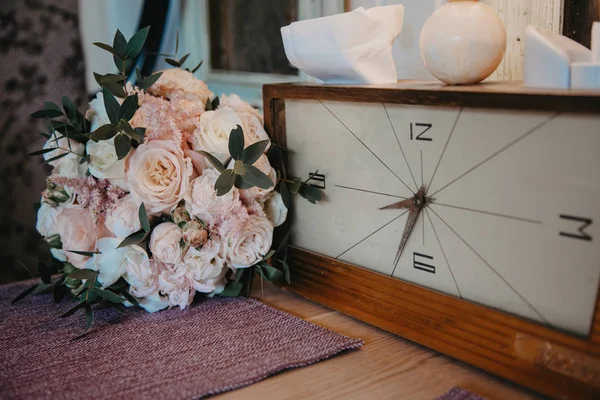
(386, 367)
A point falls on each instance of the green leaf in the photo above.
(71, 111)
(256, 177)
(130, 298)
(294, 187)
(84, 253)
(73, 309)
(236, 142)
(136, 43)
(172, 62)
(40, 152)
(106, 47)
(58, 292)
(114, 88)
(182, 59)
(224, 182)
(134, 238)
(286, 272)
(48, 105)
(24, 293)
(238, 274)
(148, 81)
(58, 157)
(215, 103)
(253, 152)
(104, 132)
(45, 273)
(310, 193)
(272, 274)
(239, 182)
(197, 66)
(140, 132)
(47, 114)
(122, 145)
(112, 106)
(268, 255)
(281, 248)
(232, 290)
(108, 295)
(176, 41)
(89, 317)
(111, 78)
(238, 168)
(213, 160)
(128, 108)
(208, 105)
(285, 193)
(119, 44)
(83, 274)
(144, 218)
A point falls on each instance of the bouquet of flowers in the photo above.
(160, 193)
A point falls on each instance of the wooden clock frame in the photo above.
(547, 360)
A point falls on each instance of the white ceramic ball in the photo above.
(463, 42)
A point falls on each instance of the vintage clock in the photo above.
(465, 218)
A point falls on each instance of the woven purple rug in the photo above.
(214, 346)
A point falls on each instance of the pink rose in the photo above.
(165, 243)
(77, 231)
(249, 245)
(252, 120)
(176, 83)
(174, 282)
(195, 234)
(202, 200)
(158, 175)
(206, 268)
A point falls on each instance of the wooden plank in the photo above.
(495, 95)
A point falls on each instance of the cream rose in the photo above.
(249, 245)
(158, 175)
(202, 200)
(123, 218)
(176, 83)
(174, 282)
(252, 120)
(68, 165)
(255, 192)
(109, 261)
(213, 134)
(275, 209)
(165, 243)
(105, 164)
(46, 223)
(205, 266)
(77, 231)
(141, 273)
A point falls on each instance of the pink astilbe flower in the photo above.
(97, 195)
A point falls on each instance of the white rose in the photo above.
(255, 192)
(275, 209)
(141, 273)
(59, 254)
(123, 218)
(46, 219)
(205, 266)
(252, 120)
(202, 200)
(249, 245)
(97, 113)
(104, 162)
(154, 302)
(158, 175)
(176, 83)
(175, 283)
(77, 231)
(69, 165)
(109, 263)
(213, 134)
(165, 243)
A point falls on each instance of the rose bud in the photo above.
(180, 214)
(194, 234)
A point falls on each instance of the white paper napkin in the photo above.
(354, 47)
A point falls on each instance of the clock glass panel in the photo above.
(497, 207)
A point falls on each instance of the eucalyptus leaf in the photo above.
(140, 132)
(286, 272)
(183, 59)
(122, 145)
(225, 182)
(106, 47)
(172, 62)
(310, 193)
(123, 66)
(108, 295)
(215, 103)
(40, 152)
(128, 108)
(84, 253)
(295, 186)
(176, 41)
(197, 66)
(58, 157)
(236, 142)
(252, 153)
(112, 106)
(238, 168)
(104, 132)
(238, 274)
(130, 298)
(115, 89)
(136, 43)
(272, 274)
(41, 288)
(48, 105)
(119, 44)
(83, 274)
(240, 184)
(112, 78)
(73, 309)
(233, 289)
(256, 177)
(47, 114)
(134, 238)
(24, 293)
(268, 255)
(284, 191)
(144, 218)
(89, 316)
(148, 81)
(213, 160)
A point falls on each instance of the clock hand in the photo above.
(414, 205)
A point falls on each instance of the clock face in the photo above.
(498, 207)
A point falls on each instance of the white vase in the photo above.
(462, 42)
